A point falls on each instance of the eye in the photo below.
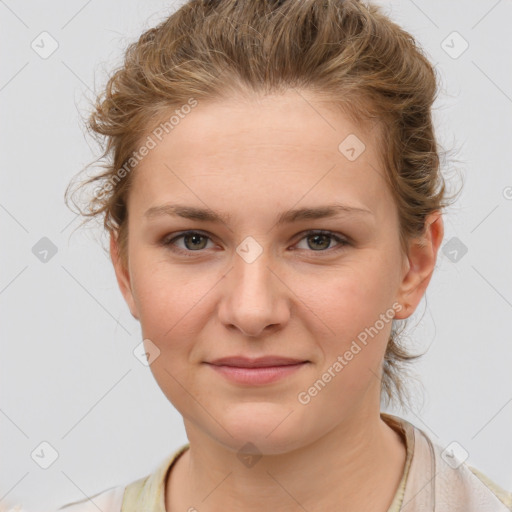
(322, 240)
(193, 241)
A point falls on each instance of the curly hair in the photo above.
(346, 52)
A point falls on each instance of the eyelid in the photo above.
(341, 240)
(169, 239)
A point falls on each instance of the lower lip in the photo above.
(255, 376)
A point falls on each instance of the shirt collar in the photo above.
(149, 493)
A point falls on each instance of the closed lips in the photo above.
(263, 362)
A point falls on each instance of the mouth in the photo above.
(260, 371)
(259, 362)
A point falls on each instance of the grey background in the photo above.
(68, 375)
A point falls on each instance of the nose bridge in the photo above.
(253, 281)
(255, 296)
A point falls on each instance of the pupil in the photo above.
(315, 237)
(195, 237)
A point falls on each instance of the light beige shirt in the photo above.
(434, 480)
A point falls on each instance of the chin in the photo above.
(264, 428)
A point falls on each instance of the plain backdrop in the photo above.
(68, 374)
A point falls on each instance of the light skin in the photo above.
(305, 297)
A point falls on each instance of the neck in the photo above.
(358, 464)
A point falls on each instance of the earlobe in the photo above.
(422, 258)
(122, 275)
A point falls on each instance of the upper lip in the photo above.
(259, 362)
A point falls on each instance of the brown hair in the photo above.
(347, 53)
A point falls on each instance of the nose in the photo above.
(255, 299)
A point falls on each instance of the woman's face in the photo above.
(259, 282)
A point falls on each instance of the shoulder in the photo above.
(142, 494)
(109, 500)
(504, 496)
(439, 475)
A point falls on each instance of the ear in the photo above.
(421, 260)
(122, 275)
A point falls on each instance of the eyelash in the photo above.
(168, 242)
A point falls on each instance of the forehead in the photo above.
(241, 123)
(291, 145)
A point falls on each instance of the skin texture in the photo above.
(254, 158)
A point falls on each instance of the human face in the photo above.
(295, 295)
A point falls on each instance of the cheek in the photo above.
(360, 318)
(354, 298)
(168, 297)
(173, 311)
(356, 306)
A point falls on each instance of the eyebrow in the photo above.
(295, 215)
